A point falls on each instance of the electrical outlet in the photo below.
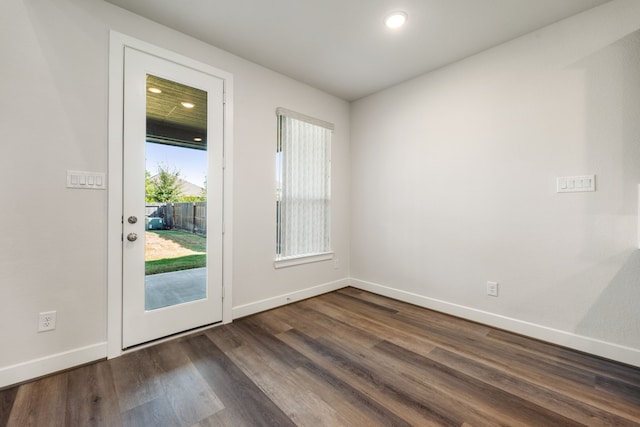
(336, 263)
(492, 289)
(47, 321)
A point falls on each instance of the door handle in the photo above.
(132, 219)
(132, 237)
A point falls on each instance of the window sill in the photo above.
(306, 259)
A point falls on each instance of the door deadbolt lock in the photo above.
(132, 219)
(132, 237)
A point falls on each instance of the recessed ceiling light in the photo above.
(154, 90)
(395, 20)
(187, 104)
(197, 139)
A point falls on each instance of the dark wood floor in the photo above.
(348, 358)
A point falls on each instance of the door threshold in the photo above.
(151, 343)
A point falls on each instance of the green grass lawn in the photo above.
(189, 241)
(174, 264)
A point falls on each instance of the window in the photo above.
(303, 189)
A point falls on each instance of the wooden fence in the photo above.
(185, 216)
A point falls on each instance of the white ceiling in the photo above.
(342, 46)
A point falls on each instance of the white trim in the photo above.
(589, 345)
(303, 259)
(31, 369)
(117, 43)
(227, 200)
(304, 118)
(269, 303)
(114, 204)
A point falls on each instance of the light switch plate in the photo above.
(492, 289)
(574, 184)
(86, 180)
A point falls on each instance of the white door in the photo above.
(172, 230)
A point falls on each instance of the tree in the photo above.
(203, 193)
(164, 187)
(147, 185)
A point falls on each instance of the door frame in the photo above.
(117, 44)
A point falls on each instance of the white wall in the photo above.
(453, 184)
(53, 117)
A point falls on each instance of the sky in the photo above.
(191, 163)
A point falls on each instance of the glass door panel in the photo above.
(175, 193)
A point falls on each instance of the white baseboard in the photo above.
(277, 301)
(35, 368)
(628, 355)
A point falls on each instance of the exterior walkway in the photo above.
(176, 287)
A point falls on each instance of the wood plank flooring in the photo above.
(348, 358)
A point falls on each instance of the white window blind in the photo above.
(303, 175)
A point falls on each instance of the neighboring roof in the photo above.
(186, 188)
(189, 189)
